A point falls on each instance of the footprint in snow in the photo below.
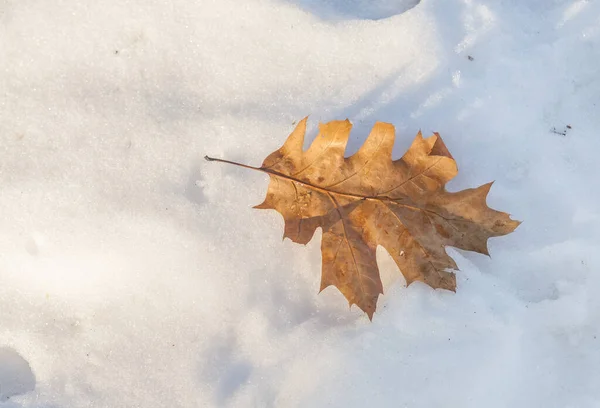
(356, 9)
(16, 376)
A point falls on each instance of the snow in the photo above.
(133, 273)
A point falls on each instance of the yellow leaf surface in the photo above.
(368, 199)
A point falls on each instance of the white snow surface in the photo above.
(135, 274)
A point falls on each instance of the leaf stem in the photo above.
(232, 162)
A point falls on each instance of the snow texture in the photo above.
(135, 274)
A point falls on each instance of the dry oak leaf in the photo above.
(367, 200)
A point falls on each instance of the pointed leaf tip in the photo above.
(439, 147)
(263, 206)
(487, 187)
